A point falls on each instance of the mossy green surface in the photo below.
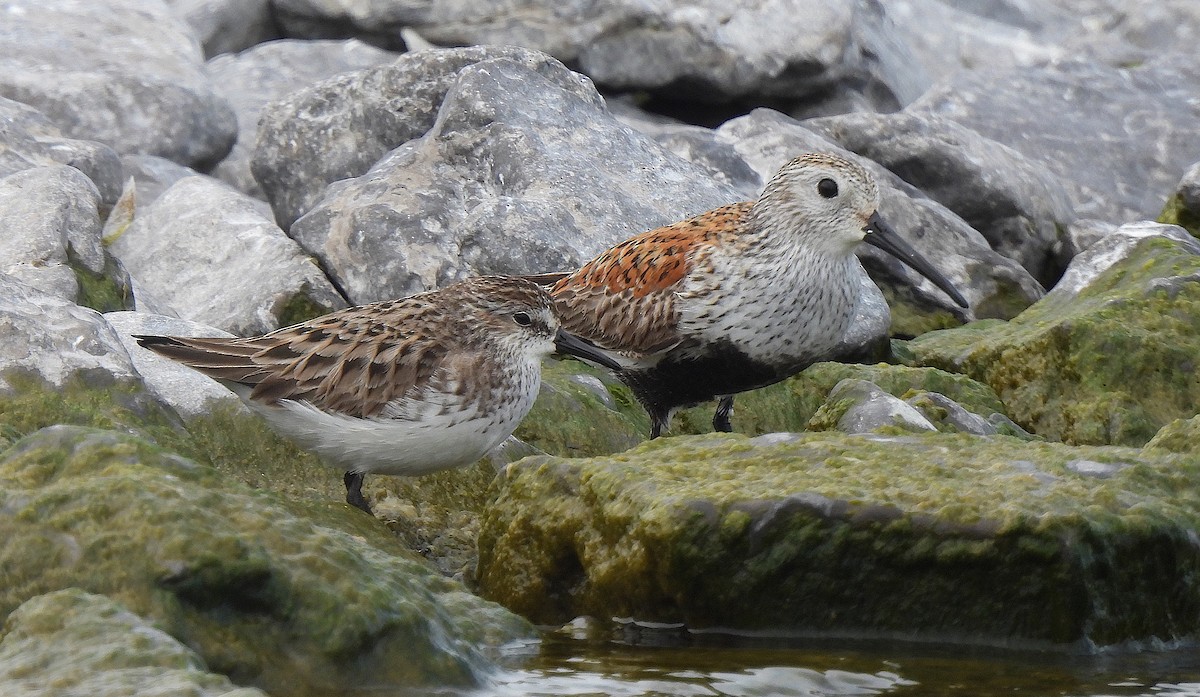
(1175, 212)
(1110, 365)
(85, 644)
(569, 419)
(100, 291)
(935, 537)
(1179, 436)
(295, 596)
(299, 308)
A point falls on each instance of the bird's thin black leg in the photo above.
(354, 495)
(721, 418)
(658, 422)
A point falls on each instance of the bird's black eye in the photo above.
(827, 188)
(522, 318)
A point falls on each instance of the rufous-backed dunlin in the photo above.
(409, 386)
(739, 297)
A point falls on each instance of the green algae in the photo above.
(105, 291)
(295, 598)
(1176, 212)
(299, 307)
(569, 419)
(987, 540)
(792, 404)
(911, 317)
(1179, 436)
(1110, 365)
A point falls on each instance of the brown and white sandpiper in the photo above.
(410, 386)
(737, 298)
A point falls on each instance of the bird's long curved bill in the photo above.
(572, 345)
(881, 235)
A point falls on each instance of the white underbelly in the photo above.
(396, 446)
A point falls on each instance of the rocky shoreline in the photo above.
(1022, 474)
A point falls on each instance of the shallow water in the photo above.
(625, 666)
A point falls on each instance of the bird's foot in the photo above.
(354, 496)
(722, 418)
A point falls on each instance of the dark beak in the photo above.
(572, 345)
(881, 235)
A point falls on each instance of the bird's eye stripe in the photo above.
(827, 187)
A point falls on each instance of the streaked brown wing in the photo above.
(353, 361)
(625, 299)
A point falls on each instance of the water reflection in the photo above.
(674, 664)
(768, 681)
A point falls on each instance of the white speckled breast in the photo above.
(777, 309)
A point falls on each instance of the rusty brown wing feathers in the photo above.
(351, 362)
(625, 299)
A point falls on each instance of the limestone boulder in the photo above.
(126, 73)
(206, 251)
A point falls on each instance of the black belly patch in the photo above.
(720, 370)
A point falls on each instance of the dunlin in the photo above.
(409, 386)
(739, 297)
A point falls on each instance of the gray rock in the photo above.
(188, 392)
(48, 222)
(1189, 189)
(1017, 203)
(1128, 32)
(86, 644)
(152, 175)
(695, 144)
(1080, 235)
(717, 51)
(1098, 470)
(125, 72)
(910, 44)
(706, 50)
(251, 79)
(1117, 139)
(523, 172)
(1114, 248)
(206, 251)
(949, 415)
(227, 26)
(995, 285)
(28, 139)
(54, 338)
(340, 127)
(870, 409)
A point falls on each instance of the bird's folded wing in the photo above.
(351, 364)
(625, 300)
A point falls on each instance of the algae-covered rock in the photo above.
(934, 537)
(291, 596)
(86, 644)
(1179, 436)
(791, 404)
(1110, 362)
(858, 406)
